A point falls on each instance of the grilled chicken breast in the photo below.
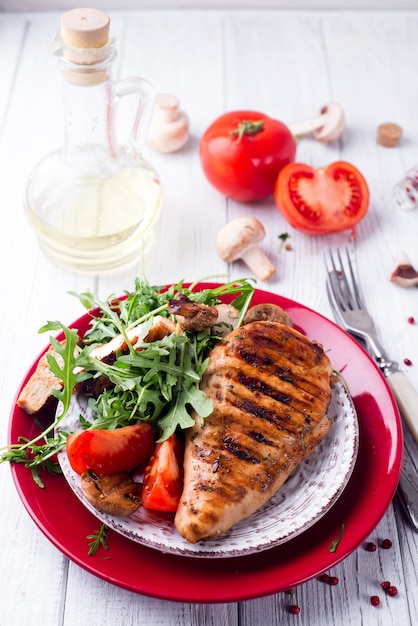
(270, 387)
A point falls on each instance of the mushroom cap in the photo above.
(237, 236)
(267, 312)
(334, 123)
(404, 273)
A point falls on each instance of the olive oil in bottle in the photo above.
(93, 202)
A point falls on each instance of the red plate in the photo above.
(66, 523)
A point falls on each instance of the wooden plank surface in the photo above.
(287, 64)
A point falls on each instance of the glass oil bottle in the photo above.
(93, 202)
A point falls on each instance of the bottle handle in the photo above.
(144, 110)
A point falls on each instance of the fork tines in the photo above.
(342, 279)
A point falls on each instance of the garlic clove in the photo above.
(404, 273)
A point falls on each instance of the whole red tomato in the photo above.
(242, 153)
(109, 452)
(322, 201)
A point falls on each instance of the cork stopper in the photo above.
(85, 28)
(84, 41)
(389, 134)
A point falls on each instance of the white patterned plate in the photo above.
(307, 495)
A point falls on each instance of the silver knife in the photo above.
(401, 388)
(407, 489)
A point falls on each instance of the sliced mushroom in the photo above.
(404, 273)
(227, 319)
(239, 239)
(326, 127)
(267, 312)
(192, 315)
(117, 494)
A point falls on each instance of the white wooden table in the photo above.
(286, 64)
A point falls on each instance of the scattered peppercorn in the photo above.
(375, 600)
(371, 546)
(407, 362)
(392, 591)
(385, 585)
(386, 544)
(334, 580)
(294, 609)
(411, 320)
(324, 578)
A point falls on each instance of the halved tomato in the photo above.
(109, 452)
(163, 478)
(322, 201)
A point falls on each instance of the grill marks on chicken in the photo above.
(270, 386)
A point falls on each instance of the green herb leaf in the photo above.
(334, 545)
(62, 363)
(156, 382)
(283, 237)
(98, 539)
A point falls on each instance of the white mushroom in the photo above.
(326, 127)
(169, 127)
(404, 273)
(227, 319)
(239, 239)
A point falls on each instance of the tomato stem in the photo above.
(247, 127)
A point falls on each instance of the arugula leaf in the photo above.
(62, 363)
(31, 453)
(156, 382)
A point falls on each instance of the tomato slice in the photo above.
(322, 201)
(109, 452)
(163, 478)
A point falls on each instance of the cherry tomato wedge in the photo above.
(109, 452)
(242, 153)
(163, 478)
(322, 201)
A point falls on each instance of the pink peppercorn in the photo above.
(294, 609)
(333, 581)
(392, 591)
(371, 546)
(411, 320)
(386, 544)
(407, 362)
(385, 585)
(375, 600)
(324, 578)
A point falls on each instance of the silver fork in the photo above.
(348, 308)
(350, 312)
(352, 315)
